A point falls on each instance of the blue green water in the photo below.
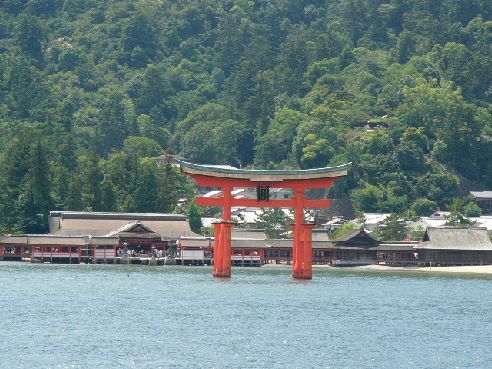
(91, 316)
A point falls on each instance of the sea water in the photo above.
(94, 316)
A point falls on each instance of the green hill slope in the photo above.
(90, 90)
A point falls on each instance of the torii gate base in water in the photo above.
(297, 180)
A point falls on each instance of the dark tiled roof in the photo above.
(355, 233)
(167, 226)
(454, 238)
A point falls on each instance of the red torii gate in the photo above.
(263, 180)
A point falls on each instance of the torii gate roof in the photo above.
(260, 175)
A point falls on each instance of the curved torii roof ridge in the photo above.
(259, 175)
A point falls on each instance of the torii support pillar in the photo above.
(303, 252)
(222, 249)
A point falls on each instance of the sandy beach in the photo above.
(476, 269)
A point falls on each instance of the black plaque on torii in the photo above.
(263, 193)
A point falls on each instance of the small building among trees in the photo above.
(483, 199)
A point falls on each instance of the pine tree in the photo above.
(195, 217)
(30, 36)
(35, 202)
(91, 179)
(108, 195)
(147, 186)
(61, 181)
(168, 189)
(73, 200)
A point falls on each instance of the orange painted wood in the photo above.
(294, 184)
(287, 203)
(218, 264)
(226, 245)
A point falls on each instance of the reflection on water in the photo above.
(93, 316)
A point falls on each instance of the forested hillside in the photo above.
(91, 90)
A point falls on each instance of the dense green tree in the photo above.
(405, 46)
(90, 182)
(70, 58)
(293, 61)
(410, 157)
(393, 228)
(113, 126)
(213, 143)
(142, 146)
(367, 198)
(73, 200)
(139, 40)
(169, 186)
(146, 192)
(194, 216)
(30, 37)
(440, 187)
(423, 207)
(275, 222)
(456, 219)
(60, 186)
(25, 88)
(108, 195)
(472, 210)
(445, 116)
(152, 89)
(34, 201)
(276, 144)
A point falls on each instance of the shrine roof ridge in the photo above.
(192, 168)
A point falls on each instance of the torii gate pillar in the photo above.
(222, 248)
(302, 248)
(263, 180)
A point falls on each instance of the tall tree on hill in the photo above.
(35, 200)
(108, 195)
(60, 186)
(145, 195)
(113, 127)
(293, 62)
(24, 88)
(91, 178)
(30, 37)
(73, 200)
(152, 89)
(167, 197)
(276, 144)
(139, 40)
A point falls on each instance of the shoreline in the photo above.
(469, 269)
(466, 269)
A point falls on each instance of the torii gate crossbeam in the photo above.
(263, 180)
